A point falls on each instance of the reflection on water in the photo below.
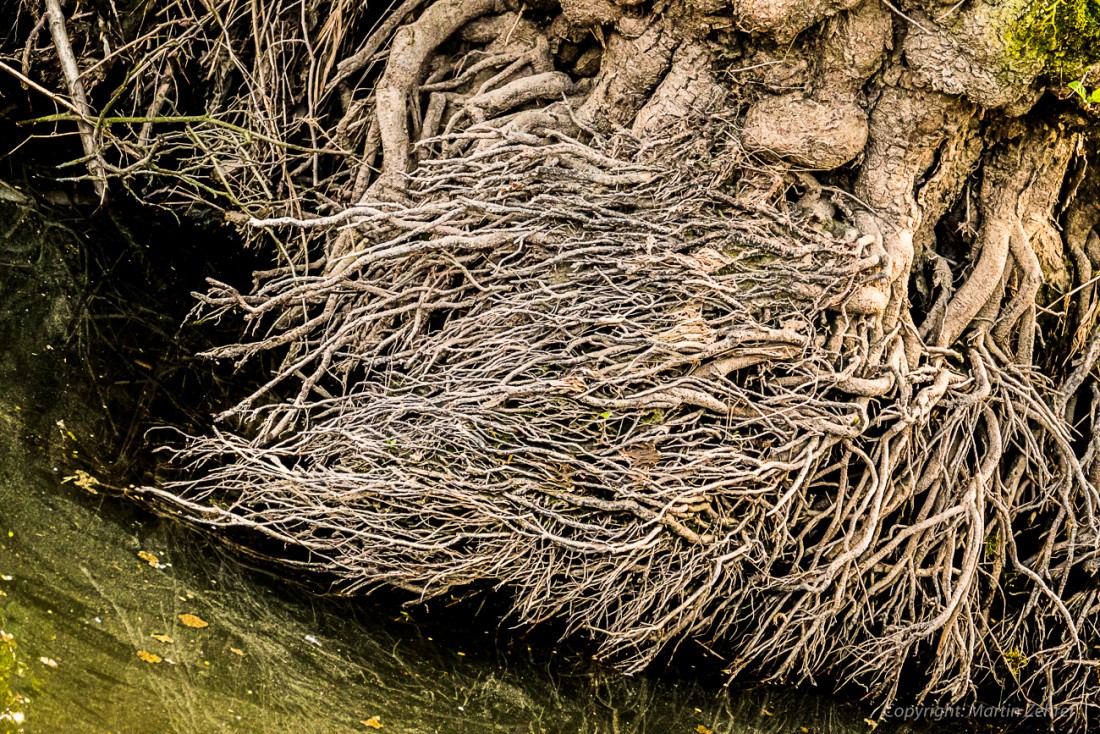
(102, 608)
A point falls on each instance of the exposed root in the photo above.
(71, 71)
(1021, 182)
(412, 46)
(785, 20)
(688, 90)
(542, 319)
(639, 53)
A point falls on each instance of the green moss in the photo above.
(1063, 34)
(1015, 661)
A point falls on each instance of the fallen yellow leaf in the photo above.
(148, 656)
(190, 620)
(163, 638)
(148, 558)
(236, 651)
(373, 722)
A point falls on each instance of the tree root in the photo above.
(412, 46)
(566, 334)
(71, 71)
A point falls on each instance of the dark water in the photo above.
(92, 592)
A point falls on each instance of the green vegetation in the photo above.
(1083, 92)
(1065, 34)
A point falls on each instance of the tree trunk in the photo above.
(767, 323)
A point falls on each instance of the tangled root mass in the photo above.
(670, 327)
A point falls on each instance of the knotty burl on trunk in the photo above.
(767, 323)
